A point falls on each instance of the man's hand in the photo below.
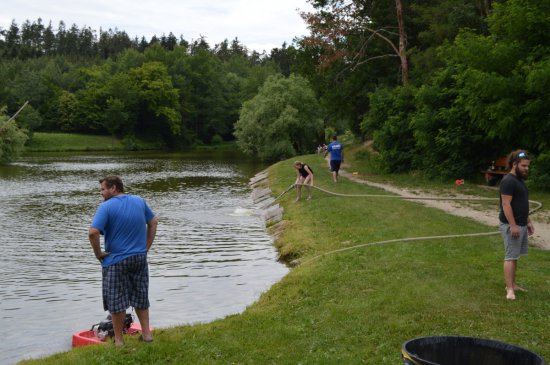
(93, 235)
(514, 230)
(530, 228)
(102, 255)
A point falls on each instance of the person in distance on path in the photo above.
(336, 150)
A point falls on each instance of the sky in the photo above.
(258, 24)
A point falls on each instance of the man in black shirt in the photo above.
(515, 224)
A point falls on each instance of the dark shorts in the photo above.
(335, 165)
(126, 284)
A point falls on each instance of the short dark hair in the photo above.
(335, 137)
(111, 181)
(516, 156)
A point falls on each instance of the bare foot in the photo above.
(145, 339)
(510, 295)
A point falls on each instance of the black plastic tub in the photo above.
(457, 350)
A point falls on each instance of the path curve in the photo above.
(482, 214)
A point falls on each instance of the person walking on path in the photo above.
(515, 224)
(336, 150)
(304, 177)
(129, 227)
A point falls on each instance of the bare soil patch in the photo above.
(483, 213)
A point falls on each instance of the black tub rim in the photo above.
(415, 359)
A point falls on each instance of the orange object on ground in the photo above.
(86, 338)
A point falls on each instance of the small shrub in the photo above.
(540, 172)
(329, 132)
(277, 151)
(216, 139)
(130, 142)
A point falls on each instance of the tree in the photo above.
(283, 119)
(158, 100)
(353, 29)
(12, 138)
(503, 79)
(12, 41)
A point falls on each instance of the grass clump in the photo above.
(359, 306)
(66, 142)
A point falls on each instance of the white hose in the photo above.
(407, 239)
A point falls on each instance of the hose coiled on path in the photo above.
(538, 205)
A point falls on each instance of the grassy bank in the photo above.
(67, 142)
(72, 142)
(358, 306)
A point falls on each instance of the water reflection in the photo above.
(211, 257)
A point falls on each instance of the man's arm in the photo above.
(93, 235)
(509, 213)
(530, 227)
(151, 232)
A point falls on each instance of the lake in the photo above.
(211, 258)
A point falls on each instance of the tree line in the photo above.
(173, 93)
(441, 86)
(34, 39)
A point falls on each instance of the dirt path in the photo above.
(480, 212)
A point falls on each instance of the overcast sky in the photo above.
(259, 24)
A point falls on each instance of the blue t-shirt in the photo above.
(123, 221)
(335, 148)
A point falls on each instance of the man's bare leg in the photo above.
(118, 326)
(143, 315)
(510, 278)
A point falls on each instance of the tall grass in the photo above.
(359, 306)
(66, 142)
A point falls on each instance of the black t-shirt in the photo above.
(516, 188)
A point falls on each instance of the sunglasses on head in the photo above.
(522, 155)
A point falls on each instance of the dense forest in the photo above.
(440, 86)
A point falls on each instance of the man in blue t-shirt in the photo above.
(515, 224)
(129, 227)
(336, 150)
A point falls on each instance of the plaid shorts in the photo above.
(126, 284)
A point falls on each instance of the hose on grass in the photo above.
(297, 262)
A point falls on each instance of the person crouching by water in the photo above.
(304, 176)
(129, 227)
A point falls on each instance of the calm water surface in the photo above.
(211, 258)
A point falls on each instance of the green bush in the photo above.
(284, 110)
(540, 172)
(12, 138)
(388, 121)
(216, 139)
(329, 132)
(277, 151)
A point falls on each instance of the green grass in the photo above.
(66, 142)
(359, 306)
(72, 142)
